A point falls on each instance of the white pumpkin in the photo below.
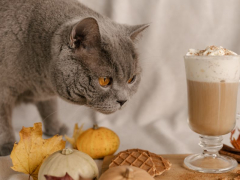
(72, 161)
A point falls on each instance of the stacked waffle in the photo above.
(150, 162)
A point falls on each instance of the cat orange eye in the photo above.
(131, 80)
(104, 81)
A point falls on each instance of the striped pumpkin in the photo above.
(70, 161)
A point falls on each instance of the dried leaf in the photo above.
(235, 142)
(66, 177)
(76, 133)
(28, 155)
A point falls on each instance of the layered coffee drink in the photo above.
(212, 82)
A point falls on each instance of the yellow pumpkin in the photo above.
(126, 173)
(98, 142)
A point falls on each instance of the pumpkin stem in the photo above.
(67, 151)
(128, 173)
(95, 126)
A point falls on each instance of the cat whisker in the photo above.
(74, 113)
(50, 115)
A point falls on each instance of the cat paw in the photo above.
(6, 149)
(61, 130)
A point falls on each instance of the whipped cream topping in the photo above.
(213, 68)
(210, 51)
(214, 64)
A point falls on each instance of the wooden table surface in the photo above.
(179, 172)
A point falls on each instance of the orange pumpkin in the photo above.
(98, 142)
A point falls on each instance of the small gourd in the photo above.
(70, 161)
(98, 142)
(125, 173)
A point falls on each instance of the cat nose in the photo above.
(122, 102)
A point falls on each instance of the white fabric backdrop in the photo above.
(156, 117)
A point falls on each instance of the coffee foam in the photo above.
(212, 68)
(210, 51)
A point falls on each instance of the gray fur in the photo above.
(41, 58)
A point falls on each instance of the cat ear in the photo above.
(87, 32)
(136, 31)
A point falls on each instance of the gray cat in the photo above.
(51, 48)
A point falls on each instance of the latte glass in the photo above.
(212, 83)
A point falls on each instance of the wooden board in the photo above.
(179, 172)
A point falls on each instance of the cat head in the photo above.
(96, 64)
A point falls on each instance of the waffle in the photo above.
(150, 162)
(134, 158)
(160, 163)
